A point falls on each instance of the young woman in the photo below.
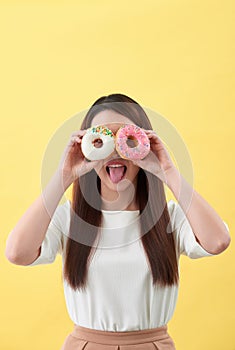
(121, 294)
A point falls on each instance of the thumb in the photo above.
(90, 164)
(136, 162)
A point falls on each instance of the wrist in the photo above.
(172, 176)
(65, 179)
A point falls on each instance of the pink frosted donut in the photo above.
(132, 142)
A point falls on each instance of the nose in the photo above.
(114, 154)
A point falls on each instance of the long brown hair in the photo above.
(86, 214)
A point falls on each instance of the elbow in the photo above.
(10, 250)
(17, 260)
(15, 257)
(224, 244)
(22, 260)
(12, 257)
(13, 252)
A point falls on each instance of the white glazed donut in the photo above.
(98, 142)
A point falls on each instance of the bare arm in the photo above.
(23, 244)
(208, 227)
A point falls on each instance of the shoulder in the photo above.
(64, 207)
(171, 204)
(178, 219)
(62, 213)
(176, 212)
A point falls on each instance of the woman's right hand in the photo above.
(73, 163)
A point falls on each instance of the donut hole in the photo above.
(98, 143)
(131, 141)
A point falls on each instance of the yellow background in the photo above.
(175, 57)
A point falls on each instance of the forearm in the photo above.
(206, 224)
(24, 241)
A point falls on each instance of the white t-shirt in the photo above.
(119, 294)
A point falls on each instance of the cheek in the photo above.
(134, 170)
(101, 172)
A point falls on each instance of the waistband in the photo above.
(121, 338)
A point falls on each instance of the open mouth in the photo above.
(116, 172)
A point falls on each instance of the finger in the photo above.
(137, 161)
(148, 130)
(87, 166)
(75, 139)
(153, 135)
(78, 133)
(93, 162)
(151, 132)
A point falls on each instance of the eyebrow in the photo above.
(114, 127)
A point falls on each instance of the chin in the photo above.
(121, 185)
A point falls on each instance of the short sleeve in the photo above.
(185, 239)
(53, 242)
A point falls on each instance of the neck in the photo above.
(132, 206)
(123, 200)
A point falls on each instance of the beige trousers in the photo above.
(82, 338)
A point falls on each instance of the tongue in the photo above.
(116, 174)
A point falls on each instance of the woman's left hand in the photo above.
(158, 161)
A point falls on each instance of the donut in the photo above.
(98, 142)
(132, 142)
